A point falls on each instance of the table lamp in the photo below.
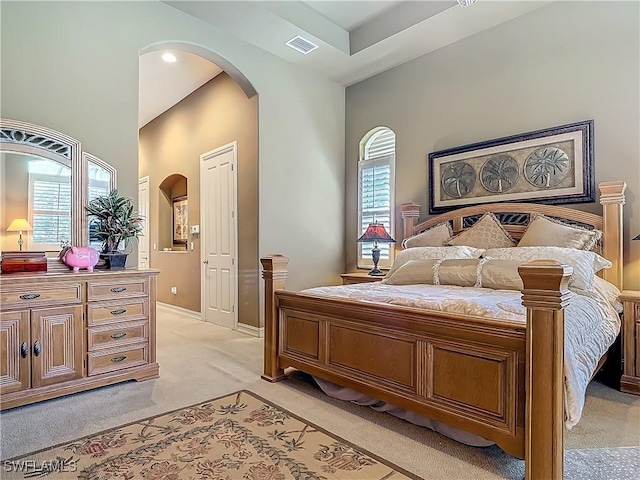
(19, 225)
(375, 233)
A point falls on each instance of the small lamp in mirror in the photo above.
(19, 225)
(375, 233)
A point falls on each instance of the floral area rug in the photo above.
(240, 436)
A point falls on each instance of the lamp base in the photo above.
(376, 272)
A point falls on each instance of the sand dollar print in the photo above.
(458, 179)
(547, 167)
(499, 174)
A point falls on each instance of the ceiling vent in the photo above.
(301, 44)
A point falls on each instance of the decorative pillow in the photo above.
(609, 292)
(413, 272)
(423, 253)
(501, 274)
(545, 231)
(585, 263)
(463, 272)
(485, 233)
(435, 236)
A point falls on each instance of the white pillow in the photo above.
(545, 231)
(425, 253)
(609, 292)
(585, 263)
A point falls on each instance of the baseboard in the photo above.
(250, 330)
(179, 310)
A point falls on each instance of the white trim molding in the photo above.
(179, 311)
(250, 330)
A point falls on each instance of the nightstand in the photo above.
(359, 277)
(630, 381)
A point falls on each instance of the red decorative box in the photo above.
(12, 263)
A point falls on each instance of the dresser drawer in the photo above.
(109, 312)
(117, 335)
(39, 294)
(114, 359)
(117, 289)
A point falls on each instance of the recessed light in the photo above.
(169, 57)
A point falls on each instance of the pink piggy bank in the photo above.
(80, 257)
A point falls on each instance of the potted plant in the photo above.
(113, 221)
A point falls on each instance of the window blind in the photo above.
(50, 202)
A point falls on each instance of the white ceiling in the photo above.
(357, 38)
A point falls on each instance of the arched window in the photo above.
(376, 180)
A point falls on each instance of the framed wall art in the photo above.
(554, 165)
(180, 221)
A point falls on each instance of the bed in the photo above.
(500, 379)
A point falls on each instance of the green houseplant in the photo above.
(113, 221)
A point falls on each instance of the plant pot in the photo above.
(114, 261)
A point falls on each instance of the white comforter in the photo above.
(591, 323)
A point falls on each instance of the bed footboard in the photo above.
(497, 379)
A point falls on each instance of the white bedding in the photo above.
(591, 323)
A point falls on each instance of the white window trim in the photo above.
(48, 247)
(365, 261)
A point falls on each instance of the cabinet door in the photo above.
(15, 370)
(57, 346)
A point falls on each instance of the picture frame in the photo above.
(554, 165)
(180, 223)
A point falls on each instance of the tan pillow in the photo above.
(423, 253)
(435, 236)
(485, 233)
(412, 273)
(549, 232)
(502, 274)
(463, 272)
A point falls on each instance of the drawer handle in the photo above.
(118, 359)
(37, 348)
(118, 335)
(118, 289)
(24, 350)
(119, 311)
(30, 296)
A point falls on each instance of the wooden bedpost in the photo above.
(274, 272)
(612, 200)
(545, 295)
(410, 214)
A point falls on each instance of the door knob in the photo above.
(205, 261)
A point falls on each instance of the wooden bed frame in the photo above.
(499, 379)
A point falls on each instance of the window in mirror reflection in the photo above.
(99, 185)
(49, 204)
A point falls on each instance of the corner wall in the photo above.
(76, 71)
(567, 62)
(214, 115)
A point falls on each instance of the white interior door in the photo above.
(143, 208)
(218, 235)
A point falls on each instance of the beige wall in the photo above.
(14, 198)
(214, 115)
(567, 62)
(77, 72)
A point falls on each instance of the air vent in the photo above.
(301, 44)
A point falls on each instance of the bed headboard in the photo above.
(515, 218)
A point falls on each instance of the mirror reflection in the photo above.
(35, 199)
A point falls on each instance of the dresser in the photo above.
(630, 381)
(65, 332)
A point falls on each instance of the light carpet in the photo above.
(238, 436)
(199, 361)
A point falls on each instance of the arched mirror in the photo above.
(45, 182)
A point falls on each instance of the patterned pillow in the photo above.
(545, 231)
(435, 236)
(585, 263)
(485, 233)
(425, 253)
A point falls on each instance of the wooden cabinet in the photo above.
(630, 381)
(62, 333)
(359, 277)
